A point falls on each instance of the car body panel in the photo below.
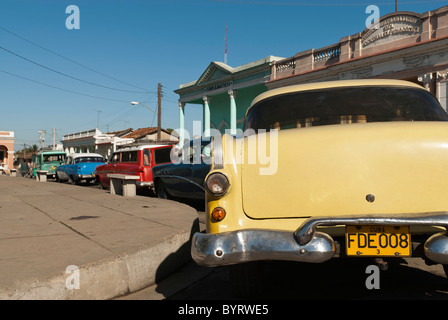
(137, 161)
(79, 166)
(185, 178)
(48, 161)
(331, 169)
(354, 172)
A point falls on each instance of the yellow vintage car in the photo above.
(331, 169)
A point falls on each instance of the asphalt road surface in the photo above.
(405, 279)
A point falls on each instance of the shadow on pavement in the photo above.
(173, 262)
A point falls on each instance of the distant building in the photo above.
(225, 93)
(147, 136)
(94, 141)
(107, 143)
(7, 149)
(79, 142)
(403, 45)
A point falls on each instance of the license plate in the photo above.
(378, 241)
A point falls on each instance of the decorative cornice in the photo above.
(234, 74)
(414, 62)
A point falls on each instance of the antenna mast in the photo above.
(225, 47)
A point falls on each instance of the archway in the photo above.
(4, 156)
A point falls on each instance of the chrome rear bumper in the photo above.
(305, 232)
(250, 245)
(306, 244)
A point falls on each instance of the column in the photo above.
(232, 94)
(181, 123)
(206, 119)
(442, 89)
(428, 81)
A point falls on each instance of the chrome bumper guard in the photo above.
(86, 176)
(306, 244)
(144, 184)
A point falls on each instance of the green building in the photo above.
(225, 93)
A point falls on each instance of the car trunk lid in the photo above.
(395, 167)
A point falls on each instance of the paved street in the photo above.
(118, 244)
(406, 279)
(47, 227)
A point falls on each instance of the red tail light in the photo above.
(141, 169)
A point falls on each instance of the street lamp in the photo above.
(158, 114)
(136, 102)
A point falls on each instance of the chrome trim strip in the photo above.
(217, 153)
(251, 245)
(305, 233)
(182, 178)
(132, 173)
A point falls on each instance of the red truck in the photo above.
(137, 160)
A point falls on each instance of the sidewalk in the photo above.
(55, 236)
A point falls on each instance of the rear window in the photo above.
(53, 158)
(129, 156)
(344, 106)
(162, 155)
(88, 159)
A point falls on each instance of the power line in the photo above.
(64, 74)
(325, 4)
(66, 90)
(68, 59)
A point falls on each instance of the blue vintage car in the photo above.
(79, 166)
(184, 178)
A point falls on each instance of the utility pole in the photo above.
(98, 120)
(159, 112)
(42, 137)
(54, 139)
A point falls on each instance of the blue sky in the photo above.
(133, 45)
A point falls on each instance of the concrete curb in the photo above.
(110, 277)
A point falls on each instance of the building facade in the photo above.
(225, 93)
(94, 141)
(7, 149)
(80, 142)
(402, 45)
(146, 136)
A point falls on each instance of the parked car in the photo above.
(185, 177)
(358, 170)
(137, 160)
(78, 167)
(47, 160)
